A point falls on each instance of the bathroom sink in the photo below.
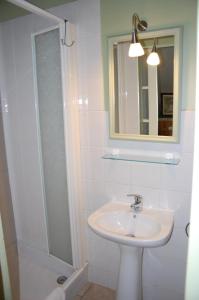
(117, 222)
(132, 231)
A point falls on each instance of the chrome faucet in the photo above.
(138, 203)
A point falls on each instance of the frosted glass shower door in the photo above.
(50, 109)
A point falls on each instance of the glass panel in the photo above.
(50, 105)
(168, 159)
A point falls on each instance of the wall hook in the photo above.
(187, 229)
(64, 43)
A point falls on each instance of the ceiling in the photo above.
(9, 11)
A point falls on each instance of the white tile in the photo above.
(115, 191)
(104, 254)
(145, 174)
(167, 263)
(179, 202)
(84, 132)
(90, 77)
(157, 293)
(92, 163)
(85, 164)
(175, 248)
(96, 100)
(178, 178)
(187, 131)
(92, 63)
(8, 55)
(102, 277)
(71, 8)
(23, 46)
(29, 199)
(96, 164)
(117, 171)
(95, 194)
(118, 192)
(104, 257)
(88, 20)
(96, 128)
(168, 272)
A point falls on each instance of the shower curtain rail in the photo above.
(36, 10)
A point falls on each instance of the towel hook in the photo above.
(64, 43)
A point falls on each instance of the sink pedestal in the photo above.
(132, 231)
(130, 275)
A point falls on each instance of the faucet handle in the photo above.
(137, 205)
(138, 198)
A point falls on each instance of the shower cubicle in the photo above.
(52, 152)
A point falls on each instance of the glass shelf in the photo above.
(144, 158)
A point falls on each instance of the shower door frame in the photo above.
(72, 146)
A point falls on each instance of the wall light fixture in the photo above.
(136, 48)
(153, 58)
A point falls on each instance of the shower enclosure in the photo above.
(50, 116)
(46, 152)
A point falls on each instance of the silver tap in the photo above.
(138, 203)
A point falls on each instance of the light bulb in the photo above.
(135, 50)
(153, 59)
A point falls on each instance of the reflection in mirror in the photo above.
(141, 95)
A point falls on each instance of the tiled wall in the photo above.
(162, 186)
(22, 149)
(6, 209)
(22, 132)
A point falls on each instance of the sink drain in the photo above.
(130, 235)
(61, 279)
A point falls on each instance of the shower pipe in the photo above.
(41, 12)
(36, 10)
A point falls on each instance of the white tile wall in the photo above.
(20, 95)
(28, 206)
(162, 186)
(6, 209)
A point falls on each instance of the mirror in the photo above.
(144, 99)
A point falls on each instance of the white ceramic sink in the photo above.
(117, 222)
(133, 231)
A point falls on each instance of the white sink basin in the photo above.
(117, 222)
(133, 231)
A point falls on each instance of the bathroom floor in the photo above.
(95, 292)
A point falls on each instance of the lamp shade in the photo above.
(135, 50)
(153, 59)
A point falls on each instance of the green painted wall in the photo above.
(116, 16)
(9, 11)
